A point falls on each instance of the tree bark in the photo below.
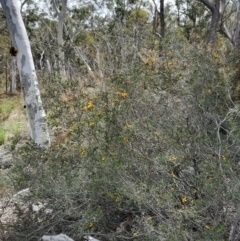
(162, 18)
(28, 77)
(214, 22)
(13, 88)
(214, 8)
(61, 15)
(236, 37)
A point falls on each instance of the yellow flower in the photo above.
(124, 94)
(125, 140)
(127, 127)
(135, 234)
(170, 63)
(90, 105)
(173, 158)
(90, 225)
(173, 175)
(83, 152)
(92, 124)
(195, 191)
(103, 158)
(73, 127)
(116, 200)
(156, 133)
(149, 61)
(223, 158)
(207, 227)
(184, 200)
(216, 56)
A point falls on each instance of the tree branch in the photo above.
(209, 5)
(24, 2)
(55, 6)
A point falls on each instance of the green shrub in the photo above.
(151, 157)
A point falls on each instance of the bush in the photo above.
(154, 156)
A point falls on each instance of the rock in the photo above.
(60, 237)
(89, 238)
(37, 207)
(5, 158)
(21, 196)
(21, 201)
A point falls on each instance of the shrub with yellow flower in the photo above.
(122, 94)
(215, 55)
(83, 152)
(183, 200)
(207, 227)
(150, 61)
(91, 124)
(89, 106)
(90, 225)
(73, 127)
(125, 140)
(127, 127)
(223, 158)
(173, 175)
(173, 158)
(135, 234)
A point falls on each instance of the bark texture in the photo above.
(215, 10)
(61, 15)
(162, 18)
(28, 77)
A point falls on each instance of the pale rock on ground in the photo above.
(63, 237)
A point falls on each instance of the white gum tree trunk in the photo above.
(61, 15)
(28, 77)
(13, 75)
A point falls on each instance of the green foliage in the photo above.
(3, 136)
(5, 109)
(140, 16)
(84, 38)
(144, 156)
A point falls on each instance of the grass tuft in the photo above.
(3, 136)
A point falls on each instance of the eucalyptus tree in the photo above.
(225, 18)
(159, 12)
(22, 51)
(214, 7)
(230, 22)
(191, 16)
(60, 9)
